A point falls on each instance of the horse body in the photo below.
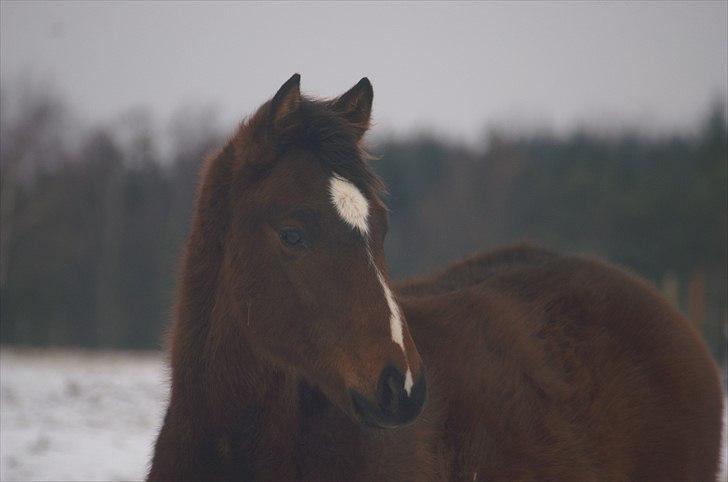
(564, 369)
(293, 359)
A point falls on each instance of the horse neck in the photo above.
(240, 406)
(230, 407)
(215, 369)
(233, 403)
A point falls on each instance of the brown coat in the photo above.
(286, 363)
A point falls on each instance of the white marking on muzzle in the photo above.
(353, 208)
(408, 381)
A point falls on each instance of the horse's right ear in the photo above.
(285, 102)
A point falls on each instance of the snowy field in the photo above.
(81, 415)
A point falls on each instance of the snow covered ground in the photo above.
(75, 415)
(79, 415)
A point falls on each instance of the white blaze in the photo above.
(353, 208)
(395, 317)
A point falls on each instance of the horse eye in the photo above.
(292, 237)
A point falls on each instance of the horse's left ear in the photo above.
(356, 105)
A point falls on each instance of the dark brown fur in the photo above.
(538, 366)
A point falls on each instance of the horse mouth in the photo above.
(365, 415)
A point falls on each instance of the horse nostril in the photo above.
(393, 406)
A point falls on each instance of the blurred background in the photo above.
(592, 128)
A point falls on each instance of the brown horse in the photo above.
(293, 358)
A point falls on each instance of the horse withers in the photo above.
(294, 357)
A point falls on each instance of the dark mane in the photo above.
(315, 126)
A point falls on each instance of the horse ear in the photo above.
(356, 105)
(286, 101)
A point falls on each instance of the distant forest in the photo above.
(92, 220)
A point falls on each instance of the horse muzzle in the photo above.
(394, 405)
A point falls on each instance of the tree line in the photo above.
(92, 219)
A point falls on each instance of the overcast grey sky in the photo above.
(452, 67)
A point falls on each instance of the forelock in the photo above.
(320, 130)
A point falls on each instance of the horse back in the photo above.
(475, 269)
